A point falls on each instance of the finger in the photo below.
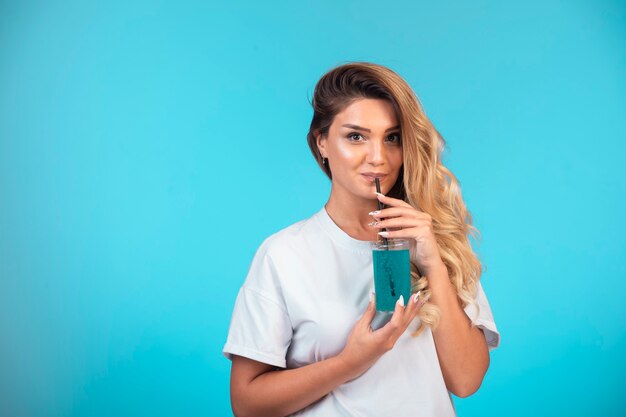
(416, 303)
(411, 233)
(394, 325)
(392, 201)
(399, 211)
(400, 222)
(413, 303)
(420, 303)
(369, 313)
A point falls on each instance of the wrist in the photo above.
(344, 367)
(436, 270)
(439, 280)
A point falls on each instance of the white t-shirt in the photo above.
(306, 288)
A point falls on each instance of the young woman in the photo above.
(305, 338)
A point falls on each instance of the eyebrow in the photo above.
(355, 127)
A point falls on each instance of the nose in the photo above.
(376, 153)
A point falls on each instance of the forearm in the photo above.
(461, 347)
(283, 392)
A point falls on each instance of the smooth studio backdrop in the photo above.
(147, 149)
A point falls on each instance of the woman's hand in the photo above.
(365, 346)
(405, 222)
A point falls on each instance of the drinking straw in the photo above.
(380, 207)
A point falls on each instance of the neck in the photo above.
(350, 213)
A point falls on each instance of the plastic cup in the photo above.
(392, 272)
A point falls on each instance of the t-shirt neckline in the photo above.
(341, 237)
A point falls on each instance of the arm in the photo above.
(461, 347)
(259, 389)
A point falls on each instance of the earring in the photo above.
(324, 161)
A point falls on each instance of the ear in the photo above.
(321, 144)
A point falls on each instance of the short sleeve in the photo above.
(481, 316)
(260, 328)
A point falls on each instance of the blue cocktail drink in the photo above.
(392, 272)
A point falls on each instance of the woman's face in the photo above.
(363, 143)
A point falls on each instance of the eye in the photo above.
(394, 138)
(355, 137)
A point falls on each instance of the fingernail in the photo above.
(401, 300)
(383, 234)
(416, 297)
(374, 213)
(373, 224)
(371, 296)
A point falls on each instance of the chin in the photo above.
(367, 194)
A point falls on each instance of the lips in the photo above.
(371, 176)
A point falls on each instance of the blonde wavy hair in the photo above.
(424, 182)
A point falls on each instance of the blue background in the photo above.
(147, 148)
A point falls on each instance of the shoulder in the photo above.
(283, 255)
(292, 239)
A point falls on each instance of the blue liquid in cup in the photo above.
(392, 278)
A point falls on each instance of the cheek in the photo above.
(397, 158)
(347, 152)
(396, 162)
